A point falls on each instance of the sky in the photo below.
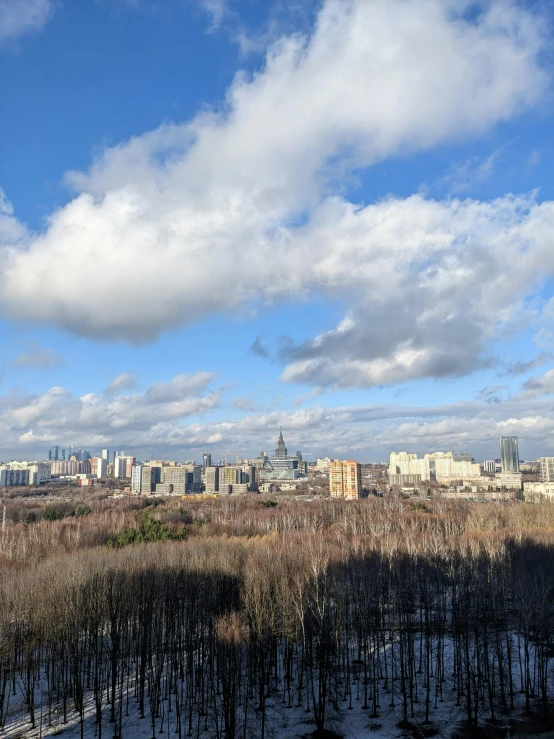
(219, 217)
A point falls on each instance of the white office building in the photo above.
(547, 469)
(440, 466)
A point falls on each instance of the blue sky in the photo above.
(222, 217)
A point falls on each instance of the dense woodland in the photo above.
(218, 618)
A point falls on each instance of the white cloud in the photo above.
(57, 415)
(134, 422)
(431, 283)
(18, 17)
(12, 232)
(210, 209)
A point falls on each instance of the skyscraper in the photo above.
(509, 454)
(105, 454)
(281, 451)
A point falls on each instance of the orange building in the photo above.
(345, 479)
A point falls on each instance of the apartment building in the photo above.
(345, 479)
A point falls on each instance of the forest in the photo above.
(256, 617)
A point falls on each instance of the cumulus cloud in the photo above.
(185, 425)
(239, 207)
(432, 282)
(372, 432)
(18, 17)
(12, 232)
(59, 416)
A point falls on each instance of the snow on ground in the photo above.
(283, 722)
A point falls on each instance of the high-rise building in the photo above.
(489, 466)
(206, 460)
(144, 479)
(99, 467)
(438, 466)
(281, 451)
(229, 477)
(509, 454)
(105, 454)
(9, 476)
(345, 479)
(120, 467)
(176, 477)
(462, 457)
(212, 479)
(547, 469)
(69, 467)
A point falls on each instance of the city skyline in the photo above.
(220, 218)
(508, 449)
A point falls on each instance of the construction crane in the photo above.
(226, 455)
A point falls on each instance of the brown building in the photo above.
(345, 479)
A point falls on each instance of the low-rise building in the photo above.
(401, 480)
(536, 492)
(508, 480)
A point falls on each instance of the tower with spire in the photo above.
(281, 451)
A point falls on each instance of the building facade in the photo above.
(9, 477)
(440, 466)
(345, 479)
(509, 454)
(212, 480)
(547, 469)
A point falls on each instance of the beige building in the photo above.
(229, 477)
(547, 469)
(536, 492)
(322, 464)
(345, 479)
(176, 478)
(441, 466)
(508, 480)
(212, 480)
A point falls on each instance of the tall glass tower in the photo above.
(509, 454)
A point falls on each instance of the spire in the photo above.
(281, 451)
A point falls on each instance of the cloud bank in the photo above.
(175, 419)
